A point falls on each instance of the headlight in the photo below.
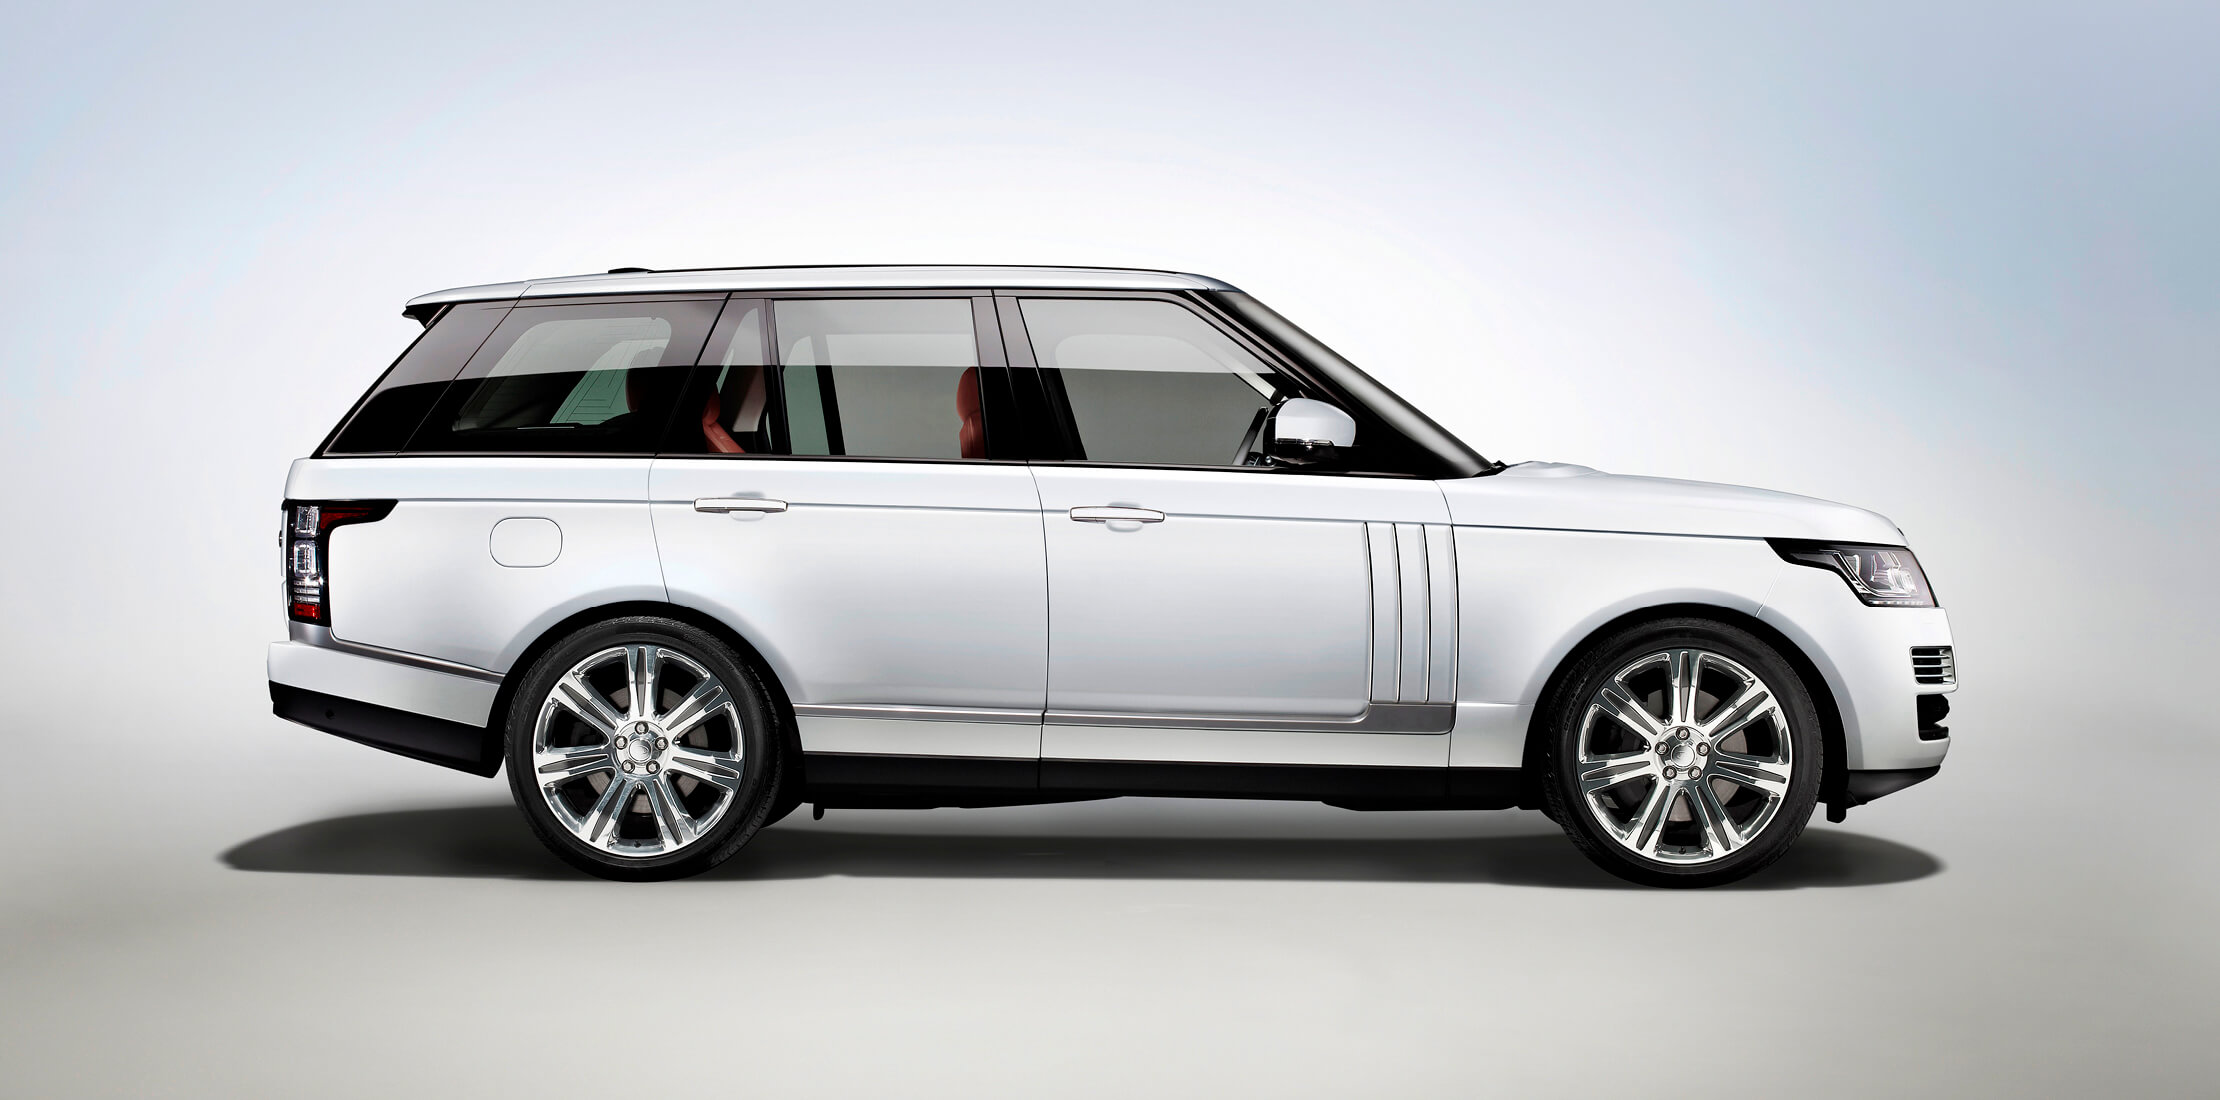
(1882, 576)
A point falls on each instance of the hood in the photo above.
(1560, 496)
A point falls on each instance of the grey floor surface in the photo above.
(258, 910)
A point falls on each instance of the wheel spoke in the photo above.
(1719, 829)
(706, 699)
(1752, 704)
(1685, 665)
(1766, 777)
(1616, 703)
(643, 666)
(670, 817)
(1649, 822)
(599, 827)
(574, 694)
(720, 769)
(563, 765)
(1601, 773)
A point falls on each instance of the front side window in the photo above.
(598, 378)
(1150, 383)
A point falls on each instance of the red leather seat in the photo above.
(971, 434)
(720, 440)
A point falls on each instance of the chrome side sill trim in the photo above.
(321, 637)
(916, 714)
(1377, 718)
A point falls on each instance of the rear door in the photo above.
(835, 490)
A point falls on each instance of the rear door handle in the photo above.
(738, 504)
(1117, 514)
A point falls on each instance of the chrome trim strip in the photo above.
(916, 714)
(1377, 718)
(738, 504)
(1111, 513)
(321, 637)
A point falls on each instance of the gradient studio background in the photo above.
(1959, 264)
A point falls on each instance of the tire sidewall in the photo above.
(760, 765)
(1561, 785)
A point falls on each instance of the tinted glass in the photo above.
(729, 409)
(1149, 382)
(597, 378)
(882, 377)
(382, 422)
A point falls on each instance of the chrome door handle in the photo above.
(1117, 514)
(738, 504)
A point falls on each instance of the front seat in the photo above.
(745, 389)
(971, 432)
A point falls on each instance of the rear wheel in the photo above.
(642, 748)
(1686, 752)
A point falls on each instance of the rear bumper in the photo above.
(419, 713)
(417, 736)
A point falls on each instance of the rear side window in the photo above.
(580, 378)
(383, 421)
(867, 377)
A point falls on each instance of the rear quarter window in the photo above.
(383, 420)
(572, 378)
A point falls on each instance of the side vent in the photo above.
(1933, 664)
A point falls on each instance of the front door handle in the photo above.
(738, 504)
(1117, 514)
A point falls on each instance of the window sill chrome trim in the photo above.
(321, 637)
(1431, 718)
(1427, 718)
(916, 714)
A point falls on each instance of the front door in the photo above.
(1204, 608)
(830, 494)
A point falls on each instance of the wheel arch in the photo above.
(1533, 759)
(782, 704)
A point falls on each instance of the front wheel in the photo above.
(1685, 752)
(642, 748)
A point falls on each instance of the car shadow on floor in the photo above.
(493, 842)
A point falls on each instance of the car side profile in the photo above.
(686, 550)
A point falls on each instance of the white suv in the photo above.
(687, 549)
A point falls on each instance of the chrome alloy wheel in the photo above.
(637, 750)
(1684, 756)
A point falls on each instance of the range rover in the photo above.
(686, 550)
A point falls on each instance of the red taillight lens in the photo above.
(308, 526)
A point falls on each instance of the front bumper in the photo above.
(1865, 656)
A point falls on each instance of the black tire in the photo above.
(1567, 710)
(757, 738)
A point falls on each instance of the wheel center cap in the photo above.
(641, 748)
(1680, 747)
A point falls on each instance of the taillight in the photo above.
(308, 526)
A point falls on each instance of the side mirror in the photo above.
(1304, 431)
